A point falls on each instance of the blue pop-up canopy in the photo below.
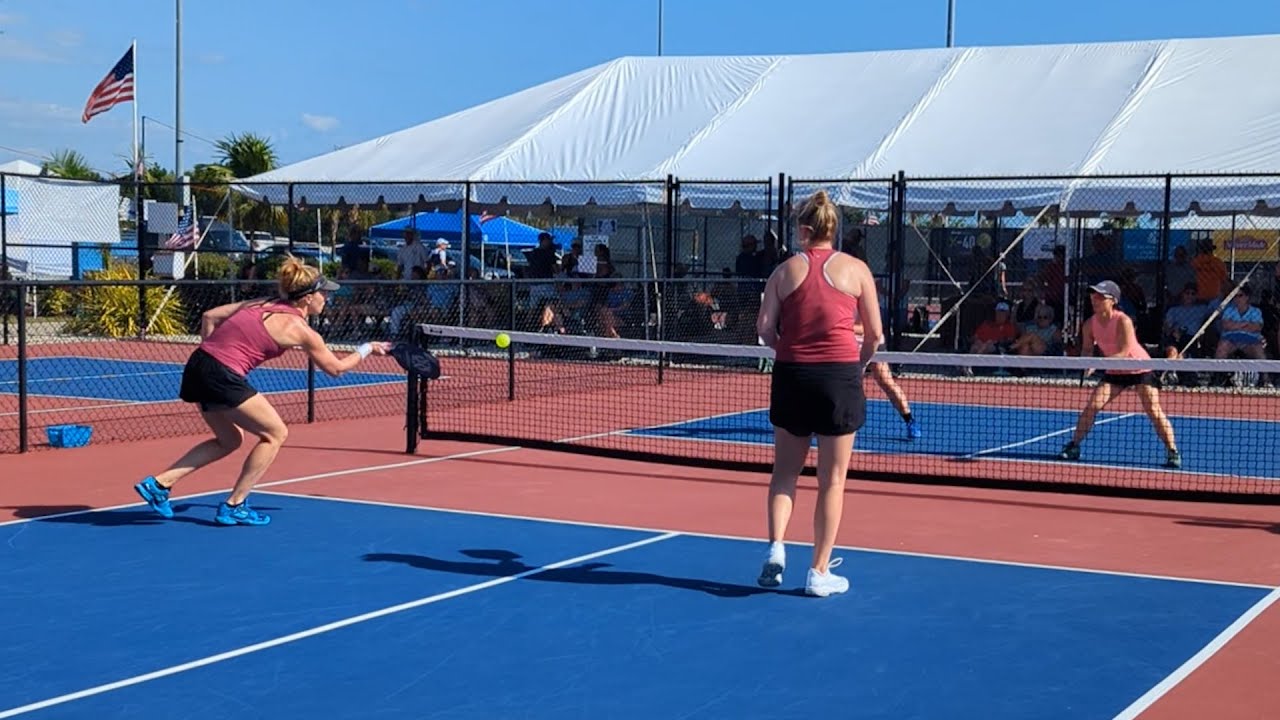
(10, 206)
(500, 230)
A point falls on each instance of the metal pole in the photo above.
(22, 368)
(951, 23)
(4, 258)
(177, 99)
(659, 28)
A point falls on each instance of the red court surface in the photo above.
(363, 460)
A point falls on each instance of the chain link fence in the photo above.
(676, 260)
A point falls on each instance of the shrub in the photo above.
(112, 310)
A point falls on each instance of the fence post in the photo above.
(22, 368)
(311, 364)
(140, 243)
(897, 254)
(669, 241)
(465, 266)
(4, 250)
(1162, 279)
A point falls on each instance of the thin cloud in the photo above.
(34, 114)
(67, 38)
(11, 48)
(319, 123)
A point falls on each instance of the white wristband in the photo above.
(365, 350)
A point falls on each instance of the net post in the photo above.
(22, 368)
(411, 401)
(511, 349)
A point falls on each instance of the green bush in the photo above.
(383, 269)
(215, 266)
(112, 310)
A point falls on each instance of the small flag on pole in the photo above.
(115, 88)
(185, 235)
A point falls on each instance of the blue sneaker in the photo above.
(156, 495)
(240, 514)
(913, 430)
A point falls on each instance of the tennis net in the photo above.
(994, 420)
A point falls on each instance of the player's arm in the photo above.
(214, 317)
(770, 308)
(330, 364)
(1086, 344)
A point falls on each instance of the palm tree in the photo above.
(209, 184)
(247, 154)
(69, 164)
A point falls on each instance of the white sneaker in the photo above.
(771, 573)
(828, 583)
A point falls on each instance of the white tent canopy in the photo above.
(20, 166)
(1176, 106)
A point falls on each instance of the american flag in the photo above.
(486, 216)
(115, 88)
(185, 235)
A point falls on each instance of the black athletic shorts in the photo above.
(1128, 380)
(817, 398)
(211, 384)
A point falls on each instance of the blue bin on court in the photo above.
(68, 436)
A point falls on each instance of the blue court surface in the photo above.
(341, 609)
(92, 378)
(1214, 446)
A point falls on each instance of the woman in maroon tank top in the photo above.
(236, 339)
(812, 304)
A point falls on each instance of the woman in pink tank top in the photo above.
(811, 309)
(1112, 331)
(236, 339)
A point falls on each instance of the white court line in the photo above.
(109, 404)
(1195, 661)
(740, 538)
(1046, 436)
(277, 483)
(329, 627)
(261, 487)
(104, 376)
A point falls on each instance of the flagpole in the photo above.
(136, 158)
(177, 98)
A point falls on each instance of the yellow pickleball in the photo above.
(502, 340)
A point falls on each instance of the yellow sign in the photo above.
(1249, 245)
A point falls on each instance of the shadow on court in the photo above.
(504, 563)
(1273, 528)
(184, 512)
(30, 512)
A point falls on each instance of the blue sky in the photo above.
(318, 74)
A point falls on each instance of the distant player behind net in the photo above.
(1112, 331)
(877, 370)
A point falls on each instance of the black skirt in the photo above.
(817, 398)
(1128, 380)
(211, 384)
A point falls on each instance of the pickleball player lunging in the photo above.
(236, 338)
